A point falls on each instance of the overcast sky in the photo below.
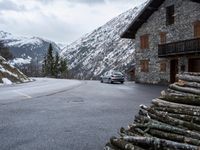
(59, 20)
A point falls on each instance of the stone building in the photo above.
(167, 40)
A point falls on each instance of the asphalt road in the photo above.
(53, 114)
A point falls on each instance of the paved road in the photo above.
(67, 114)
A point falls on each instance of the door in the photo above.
(173, 70)
(194, 65)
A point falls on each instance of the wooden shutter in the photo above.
(197, 29)
(144, 41)
(163, 37)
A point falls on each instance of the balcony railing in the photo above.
(185, 47)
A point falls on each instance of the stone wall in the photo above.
(186, 13)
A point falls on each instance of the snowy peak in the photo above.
(11, 40)
(26, 49)
(5, 34)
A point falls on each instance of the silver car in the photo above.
(112, 76)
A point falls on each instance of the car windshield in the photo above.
(117, 73)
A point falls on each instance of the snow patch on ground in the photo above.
(6, 81)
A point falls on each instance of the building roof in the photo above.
(142, 17)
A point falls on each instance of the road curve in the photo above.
(38, 88)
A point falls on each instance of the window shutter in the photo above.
(163, 37)
(197, 29)
(144, 41)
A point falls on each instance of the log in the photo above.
(123, 144)
(179, 98)
(188, 118)
(159, 102)
(157, 143)
(189, 77)
(191, 73)
(154, 124)
(164, 117)
(126, 132)
(188, 84)
(109, 146)
(185, 89)
(174, 137)
(179, 110)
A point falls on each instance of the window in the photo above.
(197, 29)
(163, 37)
(163, 67)
(144, 65)
(144, 41)
(170, 15)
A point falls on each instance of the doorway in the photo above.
(194, 65)
(173, 70)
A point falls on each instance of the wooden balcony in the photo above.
(186, 47)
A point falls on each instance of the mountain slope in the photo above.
(26, 50)
(9, 74)
(103, 49)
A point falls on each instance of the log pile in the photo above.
(172, 122)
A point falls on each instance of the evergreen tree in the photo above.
(63, 68)
(56, 65)
(48, 63)
(44, 66)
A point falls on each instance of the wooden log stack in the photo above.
(172, 122)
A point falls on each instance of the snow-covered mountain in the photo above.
(9, 74)
(103, 49)
(26, 49)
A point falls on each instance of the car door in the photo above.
(106, 77)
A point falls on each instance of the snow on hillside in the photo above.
(9, 74)
(103, 49)
(26, 49)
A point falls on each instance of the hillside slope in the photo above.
(9, 74)
(103, 49)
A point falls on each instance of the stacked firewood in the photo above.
(172, 122)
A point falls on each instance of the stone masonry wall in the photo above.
(186, 13)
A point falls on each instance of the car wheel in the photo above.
(109, 81)
(122, 82)
(101, 80)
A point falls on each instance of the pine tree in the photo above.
(48, 63)
(44, 66)
(63, 68)
(56, 65)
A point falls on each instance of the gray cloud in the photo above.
(59, 20)
(10, 5)
(90, 2)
